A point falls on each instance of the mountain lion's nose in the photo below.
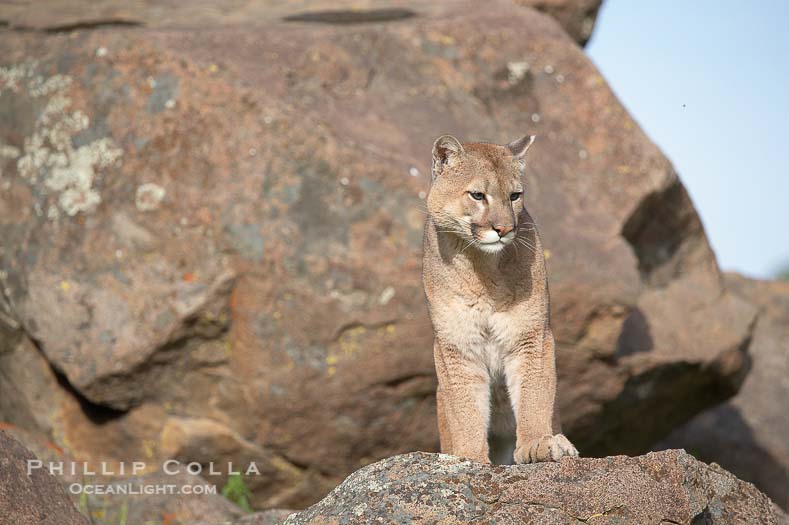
(502, 230)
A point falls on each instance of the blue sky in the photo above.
(708, 80)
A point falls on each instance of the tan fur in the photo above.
(493, 348)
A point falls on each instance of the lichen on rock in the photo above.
(148, 196)
(665, 487)
(49, 160)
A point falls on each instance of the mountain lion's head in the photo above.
(477, 192)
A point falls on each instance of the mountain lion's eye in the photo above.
(515, 196)
(477, 196)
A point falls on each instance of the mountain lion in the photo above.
(484, 277)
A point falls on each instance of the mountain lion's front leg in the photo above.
(463, 403)
(443, 423)
(531, 382)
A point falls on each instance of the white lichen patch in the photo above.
(39, 86)
(449, 464)
(11, 78)
(376, 486)
(74, 178)
(9, 152)
(516, 71)
(386, 296)
(149, 196)
(49, 160)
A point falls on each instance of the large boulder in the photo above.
(577, 17)
(748, 434)
(31, 495)
(660, 488)
(211, 238)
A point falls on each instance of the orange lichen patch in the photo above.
(52, 446)
(6, 426)
(189, 277)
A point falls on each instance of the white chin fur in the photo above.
(491, 247)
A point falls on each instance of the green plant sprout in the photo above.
(236, 491)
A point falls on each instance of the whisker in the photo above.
(471, 242)
(527, 244)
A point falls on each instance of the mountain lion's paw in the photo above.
(545, 448)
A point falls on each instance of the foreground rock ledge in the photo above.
(658, 488)
(35, 499)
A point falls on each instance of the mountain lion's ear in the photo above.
(519, 147)
(445, 148)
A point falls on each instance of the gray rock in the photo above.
(658, 488)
